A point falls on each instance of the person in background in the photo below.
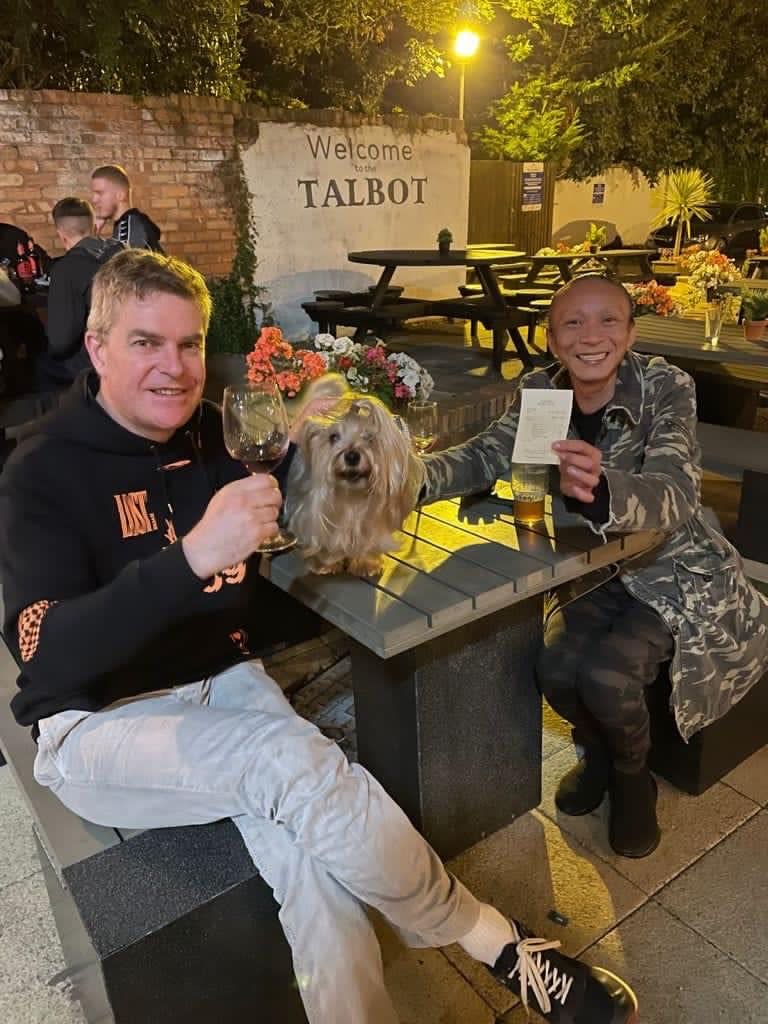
(631, 462)
(69, 295)
(111, 198)
(137, 613)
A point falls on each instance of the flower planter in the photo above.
(754, 330)
(444, 248)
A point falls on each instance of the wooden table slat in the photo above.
(467, 577)
(371, 616)
(504, 560)
(484, 522)
(441, 603)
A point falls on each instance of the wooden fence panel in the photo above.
(495, 200)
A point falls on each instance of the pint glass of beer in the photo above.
(530, 485)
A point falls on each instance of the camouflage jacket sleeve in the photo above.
(665, 492)
(478, 463)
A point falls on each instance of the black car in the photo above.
(732, 229)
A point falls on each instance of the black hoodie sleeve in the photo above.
(63, 627)
(67, 311)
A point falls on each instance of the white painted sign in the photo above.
(322, 192)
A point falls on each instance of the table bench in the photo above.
(742, 455)
(329, 315)
(169, 926)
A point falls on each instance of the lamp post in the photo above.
(465, 46)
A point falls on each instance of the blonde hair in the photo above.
(136, 274)
(113, 173)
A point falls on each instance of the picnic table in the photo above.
(756, 266)
(729, 376)
(684, 339)
(627, 264)
(444, 644)
(481, 258)
(490, 308)
(565, 264)
(615, 261)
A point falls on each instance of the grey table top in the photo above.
(684, 339)
(455, 563)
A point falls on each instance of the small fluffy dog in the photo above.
(352, 482)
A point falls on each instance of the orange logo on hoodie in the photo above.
(134, 517)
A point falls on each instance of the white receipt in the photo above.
(544, 418)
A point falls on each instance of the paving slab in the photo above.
(751, 777)
(555, 732)
(33, 986)
(18, 858)
(528, 870)
(724, 896)
(690, 825)
(425, 987)
(678, 976)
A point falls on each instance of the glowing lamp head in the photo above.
(466, 44)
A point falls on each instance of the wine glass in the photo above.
(256, 433)
(422, 424)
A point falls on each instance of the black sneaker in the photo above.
(564, 990)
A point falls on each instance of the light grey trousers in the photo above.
(322, 833)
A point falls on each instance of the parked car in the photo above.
(732, 229)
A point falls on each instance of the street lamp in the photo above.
(465, 46)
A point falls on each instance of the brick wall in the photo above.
(176, 150)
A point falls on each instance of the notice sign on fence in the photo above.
(533, 186)
(598, 193)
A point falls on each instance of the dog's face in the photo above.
(356, 447)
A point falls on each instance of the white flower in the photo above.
(342, 346)
(324, 341)
(411, 379)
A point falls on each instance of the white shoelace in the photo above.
(539, 975)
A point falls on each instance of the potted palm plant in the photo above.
(754, 310)
(444, 239)
(683, 197)
(596, 237)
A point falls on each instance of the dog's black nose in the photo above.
(352, 457)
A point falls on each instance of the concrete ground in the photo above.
(686, 925)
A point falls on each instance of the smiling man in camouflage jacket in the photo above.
(630, 463)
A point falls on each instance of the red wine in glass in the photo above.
(256, 433)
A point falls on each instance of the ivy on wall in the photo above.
(238, 302)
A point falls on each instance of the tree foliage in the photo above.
(344, 53)
(653, 84)
(128, 46)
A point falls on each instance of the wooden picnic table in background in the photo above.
(482, 260)
(756, 267)
(684, 338)
(444, 647)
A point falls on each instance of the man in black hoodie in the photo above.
(111, 198)
(69, 294)
(136, 611)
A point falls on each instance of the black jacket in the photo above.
(137, 231)
(100, 602)
(69, 300)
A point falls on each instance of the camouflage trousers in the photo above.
(600, 652)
